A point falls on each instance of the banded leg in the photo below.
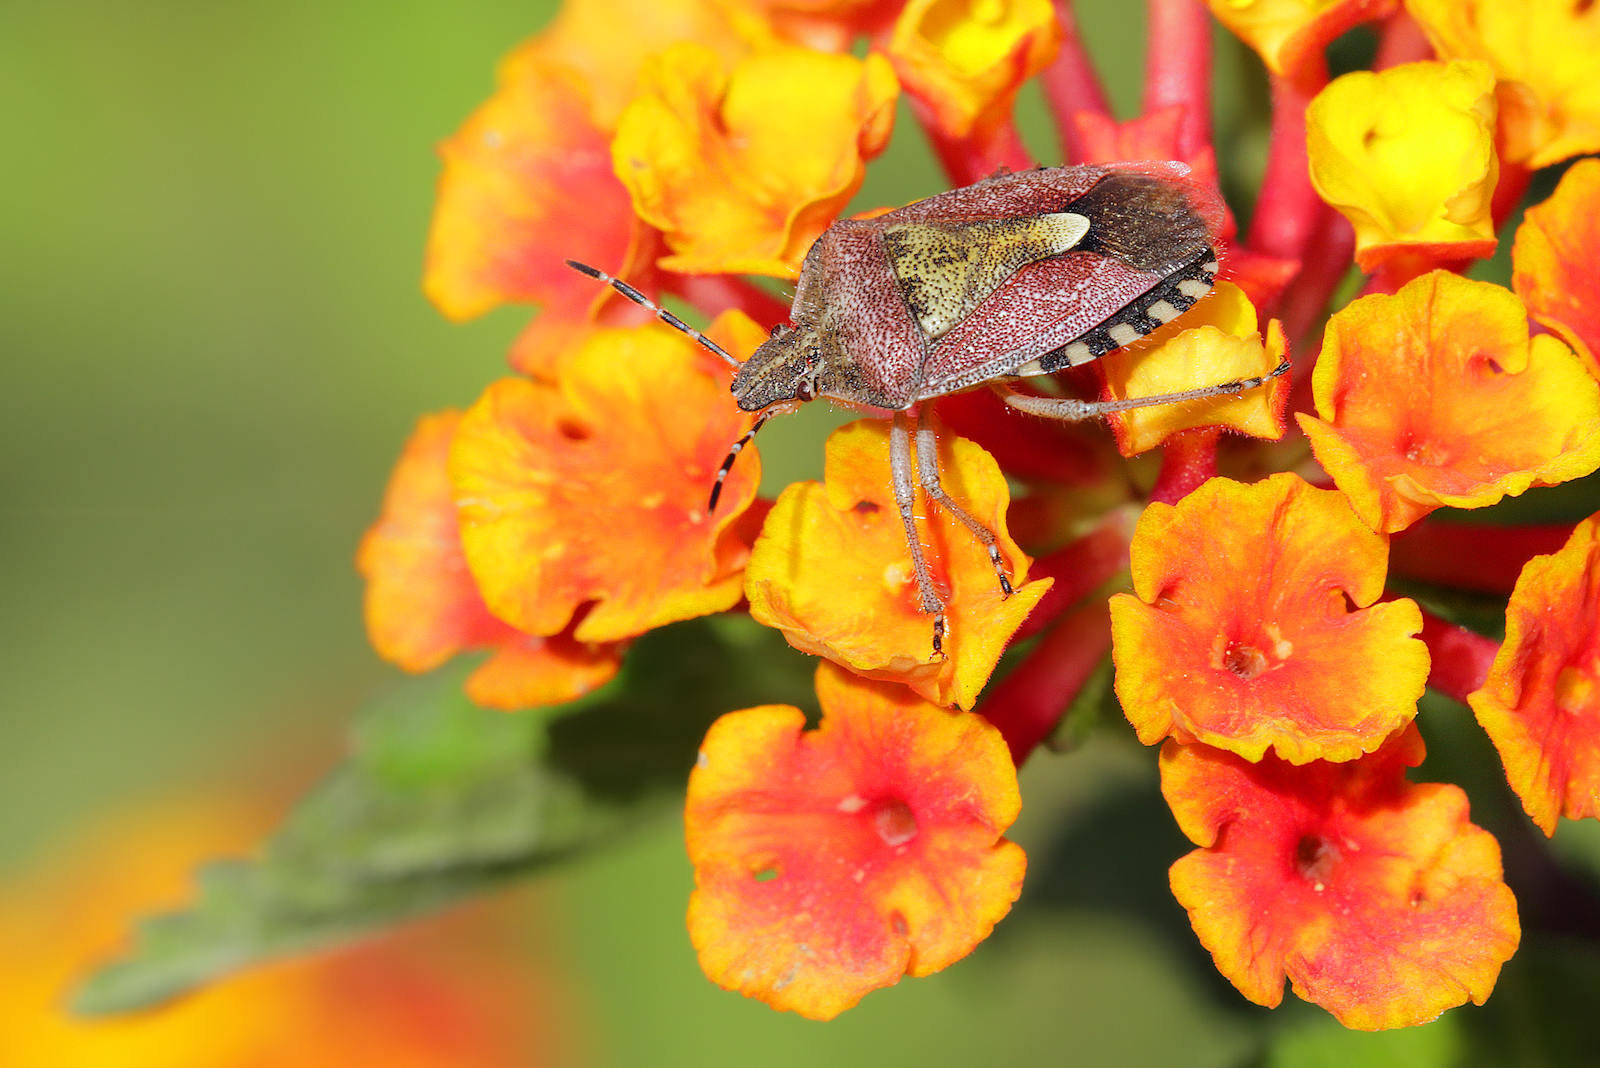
(905, 499)
(1069, 409)
(928, 475)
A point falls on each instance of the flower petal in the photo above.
(1556, 261)
(527, 183)
(832, 571)
(1376, 897)
(743, 168)
(1216, 342)
(422, 606)
(1543, 55)
(832, 862)
(1290, 35)
(1241, 633)
(966, 59)
(591, 491)
(1540, 704)
(1407, 155)
(1435, 396)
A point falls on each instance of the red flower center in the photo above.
(1315, 858)
(894, 821)
(1245, 661)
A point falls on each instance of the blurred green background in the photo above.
(214, 344)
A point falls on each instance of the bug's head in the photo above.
(791, 365)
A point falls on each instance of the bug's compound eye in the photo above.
(806, 387)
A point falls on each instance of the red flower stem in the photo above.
(1187, 460)
(1178, 69)
(1326, 263)
(1471, 556)
(1071, 85)
(1508, 191)
(967, 159)
(1461, 657)
(716, 293)
(1028, 703)
(1401, 41)
(1288, 211)
(1079, 568)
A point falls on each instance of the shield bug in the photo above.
(1020, 274)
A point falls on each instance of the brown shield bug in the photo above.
(1020, 274)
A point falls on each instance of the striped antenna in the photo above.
(661, 313)
(733, 454)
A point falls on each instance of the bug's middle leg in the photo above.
(928, 475)
(905, 499)
(1069, 409)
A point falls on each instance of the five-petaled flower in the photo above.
(565, 513)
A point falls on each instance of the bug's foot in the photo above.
(938, 637)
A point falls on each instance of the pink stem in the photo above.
(1079, 569)
(1028, 704)
(713, 294)
(1401, 41)
(967, 159)
(1461, 657)
(1071, 85)
(1178, 69)
(1187, 460)
(1514, 178)
(1289, 211)
(1472, 556)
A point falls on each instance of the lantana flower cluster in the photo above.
(696, 147)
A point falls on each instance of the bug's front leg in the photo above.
(905, 499)
(928, 475)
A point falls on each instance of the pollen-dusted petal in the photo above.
(1540, 704)
(1543, 54)
(1556, 260)
(422, 606)
(833, 572)
(1290, 35)
(1218, 341)
(743, 168)
(527, 183)
(1240, 633)
(829, 863)
(591, 490)
(1407, 155)
(1435, 397)
(966, 59)
(1376, 897)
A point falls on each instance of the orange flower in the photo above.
(824, 25)
(527, 183)
(1407, 155)
(1540, 704)
(1290, 35)
(744, 167)
(1556, 261)
(832, 571)
(832, 862)
(1376, 897)
(1436, 397)
(436, 997)
(591, 491)
(1543, 55)
(422, 607)
(966, 59)
(1241, 635)
(1217, 342)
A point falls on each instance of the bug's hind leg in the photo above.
(905, 499)
(1071, 410)
(928, 475)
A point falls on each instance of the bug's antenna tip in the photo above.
(584, 268)
(1282, 368)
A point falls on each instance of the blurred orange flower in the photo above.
(1374, 896)
(1556, 261)
(829, 863)
(1290, 35)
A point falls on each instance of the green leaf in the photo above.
(440, 800)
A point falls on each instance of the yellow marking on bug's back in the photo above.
(947, 269)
